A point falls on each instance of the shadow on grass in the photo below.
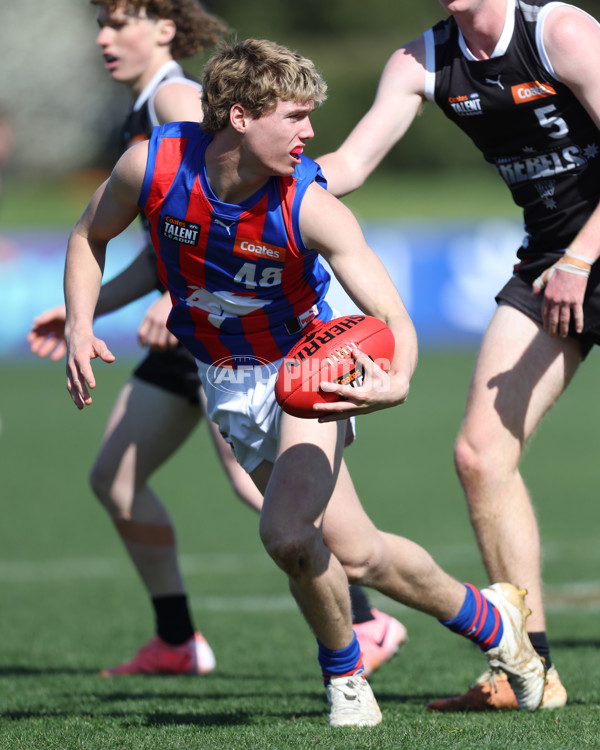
(238, 718)
(164, 718)
(19, 671)
(144, 719)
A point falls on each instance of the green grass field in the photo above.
(71, 603)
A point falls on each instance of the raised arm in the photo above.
(399, 99)
(572, 43)
(331, 228)
(112, 208)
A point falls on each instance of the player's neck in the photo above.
(140, 83)
(482, 28)
(229, 178)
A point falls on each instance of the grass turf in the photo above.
(72, 604)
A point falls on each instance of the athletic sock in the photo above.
(361, 609)
(478, 620)
(173, 619)
(540, 643)
(345, 661)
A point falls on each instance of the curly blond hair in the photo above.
(257, 74)
(196, 29)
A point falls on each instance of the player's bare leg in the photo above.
(349, 542)
(404, 571)
(146, 426)
(300, 485)
(299, 488)
(310, 485)
(519, 375)
(380, 635)
(392, 564)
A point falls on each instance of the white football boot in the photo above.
(352, 702)
(515, 655)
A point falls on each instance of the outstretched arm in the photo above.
(399, 99)
(173, 101)
(47, 334)
(135, 281)
(112, 208)
(240, 480)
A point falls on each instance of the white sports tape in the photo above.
(581, 258)
(561, 265)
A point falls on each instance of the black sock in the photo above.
(540, 644)
(361, 609)
(173, 619)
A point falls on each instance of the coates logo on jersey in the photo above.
(256, 250)
(181, 231)
(528, 92)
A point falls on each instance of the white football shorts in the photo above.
(242, 403)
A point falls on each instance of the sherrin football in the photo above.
(324, 354)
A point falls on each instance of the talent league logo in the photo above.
(182, 231)
(466, 105)
(528, 92)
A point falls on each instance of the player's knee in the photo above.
(359, 573)
(106, 490)
(365, 566)
(469, 462)
(294, 552)
(99, 483)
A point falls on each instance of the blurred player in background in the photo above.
(517, 78)
(208, 194)
(159, 407)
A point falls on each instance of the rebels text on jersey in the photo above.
(526, 123)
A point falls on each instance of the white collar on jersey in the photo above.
(155, 80)
(505, 37)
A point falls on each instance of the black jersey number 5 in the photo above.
(549, 120)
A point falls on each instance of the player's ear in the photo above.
(166, 31)
(238, 117)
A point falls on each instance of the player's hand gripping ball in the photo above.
(324, 354)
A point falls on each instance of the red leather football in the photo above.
(323, 353)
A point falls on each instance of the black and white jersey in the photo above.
(141, 118)
(525, 122)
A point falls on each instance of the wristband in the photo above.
(569, 262)
(581, 258)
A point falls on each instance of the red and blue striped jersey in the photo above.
(239, 275)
